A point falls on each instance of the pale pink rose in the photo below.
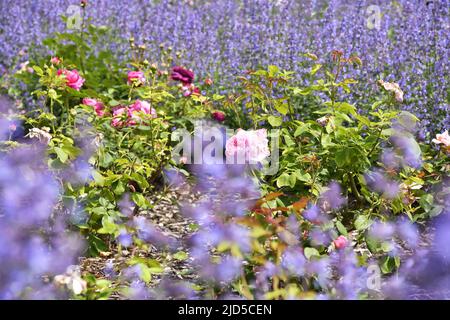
(97, 105)
(55, 61)
(137, 108)
(250, 145)
(341, 242)
(73, 78)
(392, 87)
(443, 138)
(136, 77)
(119, 114)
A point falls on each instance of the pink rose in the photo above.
(443, 138)
(189, 90)
(137, 77)
(219, 116)
(73, 78)
(118, 116)
(341, 242)
(133, 114)
(136, 109)
(97, 105)
(55, 61)
(249, 145)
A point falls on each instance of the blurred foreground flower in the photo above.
(38, 244)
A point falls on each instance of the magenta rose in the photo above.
(136, 77)
(73, 78)
(183, 75)
(219, 116)
(97, 105)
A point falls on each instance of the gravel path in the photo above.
(167, 217)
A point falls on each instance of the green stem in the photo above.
(353, 187)
(376, 143)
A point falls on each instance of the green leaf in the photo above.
(139, 199)
(302, 176)
(311, 252)
(62, 155)
(145, 273)
(315, 68)
(343, 157)
(287, 179)
(302, 128)
(362, 222)
(275, 121)
(98, 178)
(108, 226)
(303, 91)
(282, 108)
(342, 230)
(273, 71)
(38, 70)
(181, 255)
(96, 245)
(113, 103)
